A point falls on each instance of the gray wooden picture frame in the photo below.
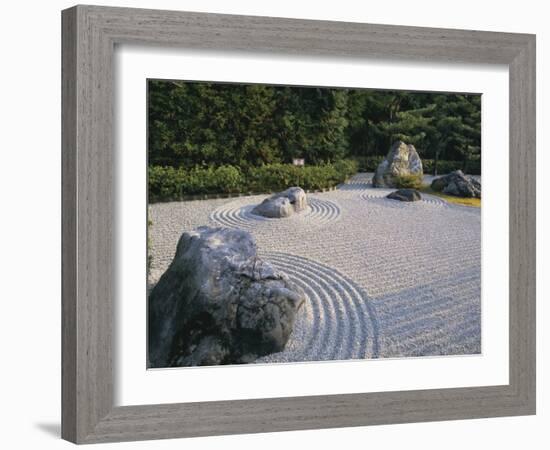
(89, 37)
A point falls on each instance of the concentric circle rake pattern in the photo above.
(337, 321)
(361, 185)
(238, 214)
(380, 195)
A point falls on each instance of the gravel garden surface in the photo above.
(382, 278)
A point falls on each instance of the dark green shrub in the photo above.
(408, 181)
(319, 177)
(271, 177)
(229, 178)
(168, 183)
(277, 177)
(164, 182)
(225, 179)
(346, 168)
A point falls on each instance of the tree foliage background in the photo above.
(200, 124)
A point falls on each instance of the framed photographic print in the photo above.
(268, 222)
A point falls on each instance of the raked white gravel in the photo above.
(383, 278)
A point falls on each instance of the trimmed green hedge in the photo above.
(169, 183)
(370, 163)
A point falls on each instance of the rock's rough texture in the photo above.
(457, 184)
(476, 184)
(282, 204)
(401, 160)
(406, 195)
(274, 208)
(217, 303)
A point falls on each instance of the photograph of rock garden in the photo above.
(295, 224)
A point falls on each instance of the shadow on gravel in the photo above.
(441, 318)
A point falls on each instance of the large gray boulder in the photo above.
(457, 184)
(274, 208)
(405, 195)
(282, 204)
(401, 160)
(218, 303)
